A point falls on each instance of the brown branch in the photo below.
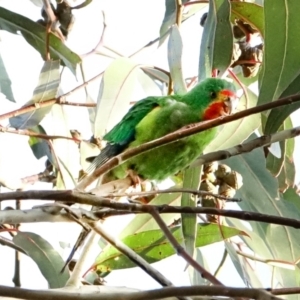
(162, 293)
(58, 100)
(71, 196)
(248, 146)
(38, 135)
(173, 190)
(195, 2)
(133, 256)
(179, 8)
(182, 133)
(180, 250)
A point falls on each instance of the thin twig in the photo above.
(75, 278)
(38, 135)
(181, 251)
(221, 264)
(138, 260)
(174, 190)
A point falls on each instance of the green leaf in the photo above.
(281, 51)
(191, 180)
(169, 19)
(39, 146)
(245, 270)
(287, 175)
(217, 40)
(175, 60)
(292, 196)
(251, 13)
(260, 194)
(116, 91)
(153, 246)
(35, 35)
(5, 82)
(283, 167)
(278, 115)
(274, 164)
(47, 259)
(46, 89)
(66, 151)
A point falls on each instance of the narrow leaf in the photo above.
(281, 51)
(35, 35)
(5, 82)
(175, 60)
(116, 91)
(47, 259)
(191, 180)
(217, 40)
(153, 246)
(46, 89)
(251, 13)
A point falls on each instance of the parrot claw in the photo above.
(136, 180)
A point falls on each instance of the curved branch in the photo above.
(182, 133)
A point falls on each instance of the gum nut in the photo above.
(234, 179)
(208, 187)
(222, 171)
(226, 190)
(210, 167)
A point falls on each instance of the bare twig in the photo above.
(75, 278)
(139, 261)
(174, 190)
(248, 146)
(181, 251)
(38, 135)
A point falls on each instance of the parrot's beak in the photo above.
(230, 101)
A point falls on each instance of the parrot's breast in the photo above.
(164, 161)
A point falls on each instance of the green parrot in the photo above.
(154, 117)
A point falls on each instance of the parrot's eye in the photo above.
(213, 95)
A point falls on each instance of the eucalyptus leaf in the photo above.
(217, 40)
(5, 82)
(153, 246)
(116, 91)
(35, 35)
(191, 180)
(281, 51)
(46, 89)
(251, 13)
(175, 60)
(47, 259)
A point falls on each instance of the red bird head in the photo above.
(224, 103)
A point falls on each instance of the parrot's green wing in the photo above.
(124, 132)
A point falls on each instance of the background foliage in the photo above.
(84, 88)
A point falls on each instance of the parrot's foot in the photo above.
(136, 180)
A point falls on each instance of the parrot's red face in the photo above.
(224, 104)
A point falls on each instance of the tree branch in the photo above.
(181, 251)
(82, 198)
(248, 146)
(179, 134)
(102, 293)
